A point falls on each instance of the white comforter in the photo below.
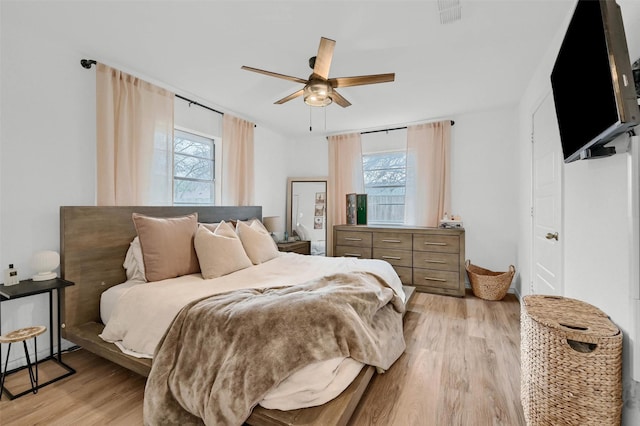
(144, 312)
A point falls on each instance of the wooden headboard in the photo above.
(94, 242)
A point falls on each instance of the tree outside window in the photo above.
(193, 169)
(385, 176)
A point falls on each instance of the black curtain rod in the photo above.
(199, 104)
(395, 128)
(87, 63)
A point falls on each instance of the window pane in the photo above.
(192, 192)
(385, 176)
(192, 167)
(191, 147)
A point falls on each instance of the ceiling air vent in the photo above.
(450, 11)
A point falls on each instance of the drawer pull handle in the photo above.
(353, 254)
(391, 241)
(434, 261)
(427, 243)
(434, 279)
(392, 257)
(352, 239)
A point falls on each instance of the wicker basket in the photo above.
(489, 285)
(571, 356)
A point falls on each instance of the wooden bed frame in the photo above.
(93, 244)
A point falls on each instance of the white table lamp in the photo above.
(44, 262)
(272, 223)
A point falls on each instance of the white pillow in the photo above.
(133, 263)
(257, 241)
(219, 252)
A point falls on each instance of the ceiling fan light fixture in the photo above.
(317, 94)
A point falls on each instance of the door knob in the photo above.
(551, 236)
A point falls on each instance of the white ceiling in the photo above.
(197, 48)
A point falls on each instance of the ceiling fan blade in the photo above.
(288, 98)
(362, 80)
(339, 99)
(275, 74)
(323, 58)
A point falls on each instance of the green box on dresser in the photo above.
(430, 259)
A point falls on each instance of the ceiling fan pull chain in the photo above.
(310, 121)
(325, 118)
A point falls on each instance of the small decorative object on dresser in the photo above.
(301, 247)
(431, 259)
(356, 209)
(351, 209)
(361, 206)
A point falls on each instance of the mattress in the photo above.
(136, 315)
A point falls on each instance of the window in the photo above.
(193, 169)
(385, 176)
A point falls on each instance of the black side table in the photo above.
(29, 288)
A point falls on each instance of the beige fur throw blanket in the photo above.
(223, 353)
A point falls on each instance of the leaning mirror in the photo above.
(307, 211)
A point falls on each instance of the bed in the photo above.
(94, 241)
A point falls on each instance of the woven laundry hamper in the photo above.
(571, 357)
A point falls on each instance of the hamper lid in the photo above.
(569, 315)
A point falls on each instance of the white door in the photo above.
(547, 201)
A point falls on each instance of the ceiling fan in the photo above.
(319, 89)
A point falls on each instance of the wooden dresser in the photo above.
(431, 259)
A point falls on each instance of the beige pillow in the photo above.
(167, 245)
(219, 252)
(257, 241)
(210, 226)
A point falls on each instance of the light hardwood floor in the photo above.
(461, 367)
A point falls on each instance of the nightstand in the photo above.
(301, 247)
(29, 288)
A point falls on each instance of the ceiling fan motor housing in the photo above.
(318, 93)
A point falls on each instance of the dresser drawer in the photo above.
(394, 257)
(348, 251)
(392, 241)
(438, 243)
(432, 278)
(405, 274)
(353, 238)
(436, 260)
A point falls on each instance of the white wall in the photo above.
(596, 228)
(484, 186)
(48, 154)
(271, 172)
(47, 146)
(308, 157)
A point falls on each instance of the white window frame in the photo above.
(374, 222)
(217, 169)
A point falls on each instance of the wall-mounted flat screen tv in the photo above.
(592, 82)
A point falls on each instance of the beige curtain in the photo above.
(134, 121)
(345, 176)
(428, 186)
(237, 159)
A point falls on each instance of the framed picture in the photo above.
(351, 209)
(319, 210)
(320, 197)
(318, 222)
